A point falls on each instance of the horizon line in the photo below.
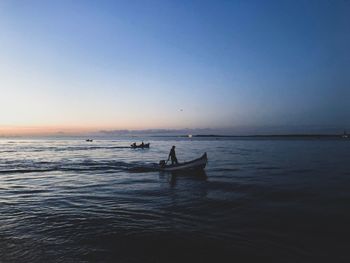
(13, 131)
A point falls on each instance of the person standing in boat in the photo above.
(172, 156)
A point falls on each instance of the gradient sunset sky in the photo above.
(91, 65)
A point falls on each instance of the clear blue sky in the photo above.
(174, 64)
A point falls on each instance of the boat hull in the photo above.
(140, 146)
(195, 165)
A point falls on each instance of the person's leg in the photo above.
(175, 160)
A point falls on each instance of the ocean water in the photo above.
(259, 200)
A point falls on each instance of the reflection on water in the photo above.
(193, 175)
(258, 200)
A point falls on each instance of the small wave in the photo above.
(81, 148)
(268, 168)
(84, 148)
(302, 170)
(12, 171)
(65, 149)
(143, 169)
(227, 169)
(82, 166)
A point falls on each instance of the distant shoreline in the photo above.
(258, 136)
(96, 136)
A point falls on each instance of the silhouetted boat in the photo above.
(345, 135)
(197, 164)
(146, 145)
(89, 140)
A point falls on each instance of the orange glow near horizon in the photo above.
(19, 130)
(40, 130)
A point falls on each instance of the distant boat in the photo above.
(194, 165)
(345, 135)
(146, 145)
(89, 140)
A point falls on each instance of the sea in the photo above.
(258, 200)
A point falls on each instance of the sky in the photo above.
(75, 66)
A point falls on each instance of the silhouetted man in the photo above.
(172, 156)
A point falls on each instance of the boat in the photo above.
(194, 165)
(89, 140)
(146, 145)
(345, 135)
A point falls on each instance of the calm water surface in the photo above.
(67, 200)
